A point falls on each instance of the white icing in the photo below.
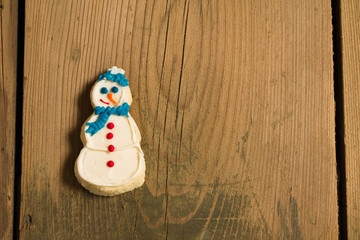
(124, 133)
(97, 96)
(93, 169)
(115, 70)
(128, 157)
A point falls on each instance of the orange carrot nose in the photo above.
(110, 97)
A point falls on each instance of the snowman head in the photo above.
(111, 90)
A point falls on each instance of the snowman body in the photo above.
(119, 131)
(112, 156)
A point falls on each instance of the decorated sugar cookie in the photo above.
(111, 161)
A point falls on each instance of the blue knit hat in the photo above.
(118, 77)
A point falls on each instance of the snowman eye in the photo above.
(114, 89)
(103, 90)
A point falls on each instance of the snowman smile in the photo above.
(104, 102)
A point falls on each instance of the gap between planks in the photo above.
(339, 118)
(19, 116)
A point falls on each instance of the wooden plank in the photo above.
(8, 63)
(350, 34)
(234, 101)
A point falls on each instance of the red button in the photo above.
(110, 125)
(110, 163)
(109, 136)
(111, 148)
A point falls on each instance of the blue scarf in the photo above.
(104, 114)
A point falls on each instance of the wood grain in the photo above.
(234, 101)
(350, 18)
(8, 63)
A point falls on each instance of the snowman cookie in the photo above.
(111, 161)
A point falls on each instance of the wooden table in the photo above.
(249, 114)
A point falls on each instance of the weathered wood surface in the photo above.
(8, 63)
(350, 31)
(234, 101)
